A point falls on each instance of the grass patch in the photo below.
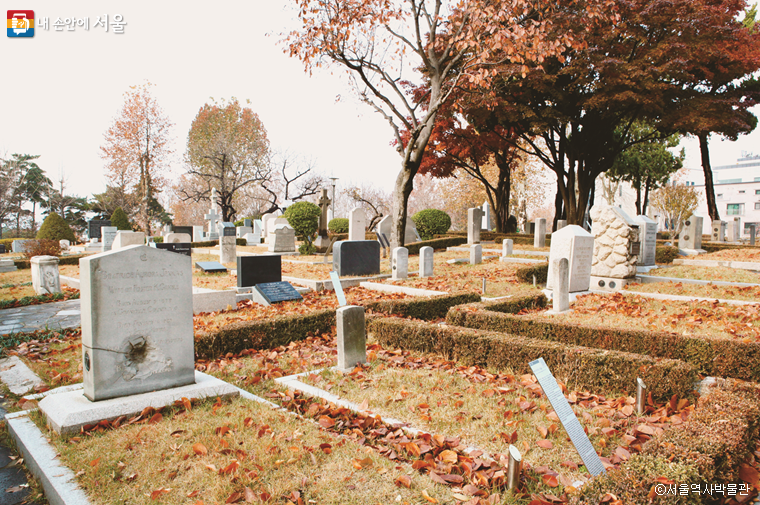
(57, 361)
(747, 254)
(217, 450)
(749, 293)
(700, 273)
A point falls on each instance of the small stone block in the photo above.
(426, 261)
(18, 377)
(352, 341)
(400, 263)
(476, 254)
(210, 266)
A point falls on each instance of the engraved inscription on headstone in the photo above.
(567, 417)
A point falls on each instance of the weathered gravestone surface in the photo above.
(399, 263)
(252, 270)
(356, 257)
(561, 223)
(45, 276)
(282, 238)
(352, 340)
(2, 248)
(94, 226)
(242, 231)
(648, 237)
(137, 322)
(266, 226)
(752, 231)
(108, 234)
(539, 237)
(690, 238)
(410, 232)
(426, 261)
(274, 292)
(65, 245)
(357, 224)
(486, 224)
(735, 230)
(577, 245)
(19, 246)
(561, 284)
(476, 254)
(506, 247)
(124, 238)
(210, 266)
(185, 248)
(227, 248)
(718, 230)
(474, 221)
(198, 235)
(616, 245)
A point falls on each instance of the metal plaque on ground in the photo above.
(567, 417)
(210, 266)
(274, 292)
(338, 288)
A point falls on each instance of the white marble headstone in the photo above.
(577, 245)
(474, 222)
(125, 238)
(648, 239)
(137, 322)
(357, 223)
(108, 233)
(690, 237)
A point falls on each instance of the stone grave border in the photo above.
(744, 265)
(327, 285)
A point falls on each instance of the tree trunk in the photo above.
(712, 206)
(559, 208)
(401, 191)
(646, 195)
(503, 192)
(638, 200)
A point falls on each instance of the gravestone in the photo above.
(45, 276)
(539, 237)
(577, 245)
(476, 254)
(184, 248)
(177, 238)
(248, 222)
(352, 340)
(19, 246)
(752, 231)
(506, 247)
(242, 231)
(2, 249)
(210, 267)
(266, 228)
(561, 223)
(718, 230)
(252, 239)
(616, 246)
(322, 242)
(410, 232)
(274, 292)
(124, 238)
(228, 247)
(282, 239)
(227, 229)
(474, 221)
(261, 269)
(213, 218)
(198, 235)
(356, 257)
(426, 261)
(561, 293)
(486, 224)
(63, 243)
(357, 224)
(338, 289)
(94, 226)
(400, 263)
(690, 238)
(108, 235)
(137, 322)
(735, 230)
(648, 239)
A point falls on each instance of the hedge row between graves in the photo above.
(581, 367)
(539, 270)
(665, 254)
(426, 308)
(210, 243)
(262, 334)
(62, 260)
(719, 357)
(707, 449)
(436, 244)
(517, 238)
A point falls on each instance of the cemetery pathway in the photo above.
(53, 315)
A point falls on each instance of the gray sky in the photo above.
(62, 89)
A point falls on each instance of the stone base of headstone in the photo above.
(322, 242)
(7, 266)
(212, 300)
(609, 283)
(352, 339)
(252, 239)
(691, 252)
(45, 276)
(68, 412)
(640, 269)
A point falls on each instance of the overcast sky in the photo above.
(62, 89)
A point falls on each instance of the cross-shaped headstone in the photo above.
(213, 199)
(212, 217)
(324, 202)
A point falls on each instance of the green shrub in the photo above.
(540, 271)
(55, 228)
(338, 225)
(665, 254)
(120, 220)
(430, 222)
(304, 218)
(241, 222)
(597, 369)
(158, 240)
(43, 247)
(306, 249)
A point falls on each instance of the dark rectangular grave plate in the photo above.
(356, 257)
(567, 417)
(274, 292)
(210, 266)
(229, 232)
(2, 248)
(635, 248)
(94, 226)
(177, 247)
(252, 270)
(183, 229)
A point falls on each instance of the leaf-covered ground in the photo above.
(749, 294)
(700, 273)
(749, 254)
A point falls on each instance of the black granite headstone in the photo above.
(278, 292)
(183, 229)
(252, 270)
(356, 257)
(177, 247)
(94, 226)
(210, 266)
(2, 248)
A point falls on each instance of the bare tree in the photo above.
(292, 178)
(375, 202)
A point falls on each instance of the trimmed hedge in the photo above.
(713, 356)
(707, 449)
(540, 270)
(63, 260)
(608, 371)
(338, 225)
(436, 243)
(426, 308)
(430, 222)
(665, 254)
(517, 238)
(263, 334)
(213, 243)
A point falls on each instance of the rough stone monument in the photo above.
(561, 284)
(400, 263)
(282, 238)
(616, 247)
(64, 244)
(227, 249)
(577, 245)
(474, 222)
(45, 276)
(357, 224)
(108, 234)
(690, 238)
(352, 341)
(735, 230)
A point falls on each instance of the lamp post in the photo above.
(330, 213)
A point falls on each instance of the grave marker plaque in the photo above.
(177, 247)
(274, 292)
(210, 266)
(263, 269)
(360, 257)
(567, 417)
